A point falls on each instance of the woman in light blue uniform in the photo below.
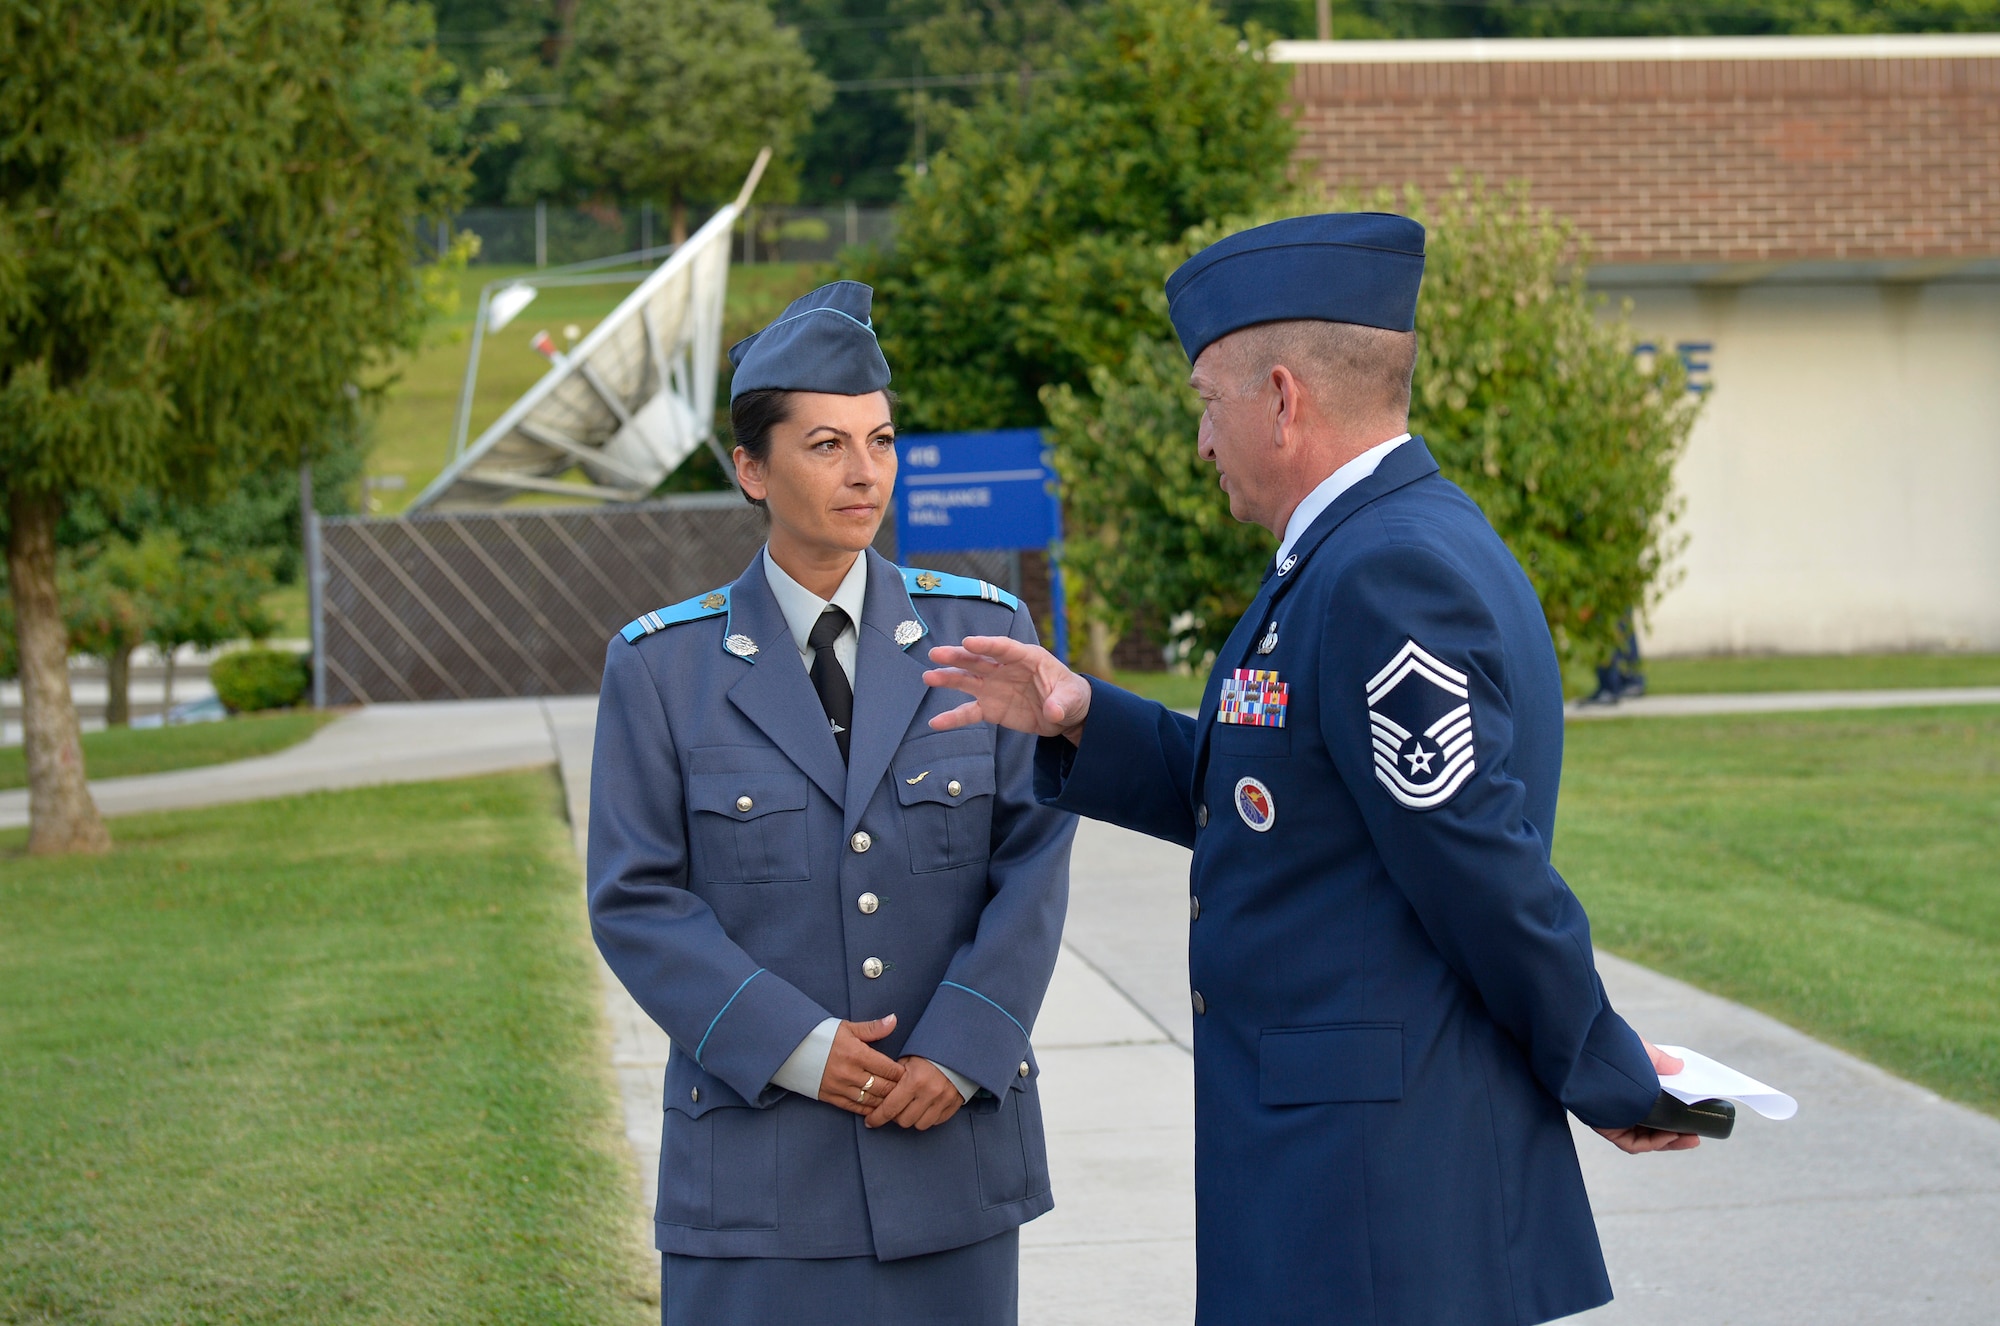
(845, 921)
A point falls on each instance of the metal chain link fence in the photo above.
(518, 602)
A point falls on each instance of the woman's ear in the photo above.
(749, 474)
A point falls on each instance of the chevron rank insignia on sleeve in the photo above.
(1420, 719)
(712, 604)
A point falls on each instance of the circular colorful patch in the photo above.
(1255, 806)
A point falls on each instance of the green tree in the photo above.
(669, 100)
(1024, 256)
(1530, 398)
(212, 598)
(1157, 532)
(1534, 403)
(205, 211)
(110, 595)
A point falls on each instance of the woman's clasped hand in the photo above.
(862, 1080)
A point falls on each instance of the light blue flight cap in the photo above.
(823, 341)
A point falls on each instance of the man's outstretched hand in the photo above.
(1639, 1139)
(1012, 684)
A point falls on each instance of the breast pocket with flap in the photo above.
(947, 807)
(750, 827)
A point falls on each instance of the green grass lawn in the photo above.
(1838, 871)
(121, 752)
(329, 1058)
(1169, 688)
(413, 431)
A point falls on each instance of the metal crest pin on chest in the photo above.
(740, 645)
(1270, 640)
(908, 633)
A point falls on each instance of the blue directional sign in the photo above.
(956, 492)
(967, 492)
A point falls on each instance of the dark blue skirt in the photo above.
(977, 1285)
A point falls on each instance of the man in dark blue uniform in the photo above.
(1395, 995)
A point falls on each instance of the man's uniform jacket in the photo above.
(727, 867)
(1395, 993)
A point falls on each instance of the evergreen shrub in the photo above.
(250, 680)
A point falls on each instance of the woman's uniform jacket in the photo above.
(744, 885)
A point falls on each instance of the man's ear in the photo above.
(1290, 401)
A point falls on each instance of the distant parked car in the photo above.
(208, 709)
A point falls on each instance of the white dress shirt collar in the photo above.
(1331, 487)
(802, 608)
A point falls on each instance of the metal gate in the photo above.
(520, 601)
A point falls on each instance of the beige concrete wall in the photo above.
(1843, 484)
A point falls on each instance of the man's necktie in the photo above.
(836, 696)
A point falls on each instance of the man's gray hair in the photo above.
(1352, 368)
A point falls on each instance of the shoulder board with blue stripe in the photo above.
(937, 583)
(712, 604)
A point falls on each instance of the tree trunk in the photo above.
(167, 695)
(118, 687)
(1097, 647)
(61, 815)
(677, 213)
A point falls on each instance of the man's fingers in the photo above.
(966, 715)
(992, 649)
(947, 660)
(1663, 1063)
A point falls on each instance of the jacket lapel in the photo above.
(774, 691)
(888, 683)
(1403, 466)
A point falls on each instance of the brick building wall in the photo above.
(1683, 150)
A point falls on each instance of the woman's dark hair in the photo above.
(754, 414)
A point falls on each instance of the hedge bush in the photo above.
(254, 679)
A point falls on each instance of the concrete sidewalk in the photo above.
(1878, 1203)
(383, 743)
(1783, 702)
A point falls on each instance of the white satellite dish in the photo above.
(626, 406)
(507, 304)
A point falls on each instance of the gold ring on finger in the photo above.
(861, 1098)
(869, 1085)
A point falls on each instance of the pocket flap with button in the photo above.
(746, 796)
(972, 775)
(1331, 1065)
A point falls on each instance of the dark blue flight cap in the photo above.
(823, 341)
(1361, 267)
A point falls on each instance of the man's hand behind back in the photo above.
(1637, 1140)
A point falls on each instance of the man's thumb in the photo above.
(876, 1030)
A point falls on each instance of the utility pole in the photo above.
(309, 528)
(1323, 10)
